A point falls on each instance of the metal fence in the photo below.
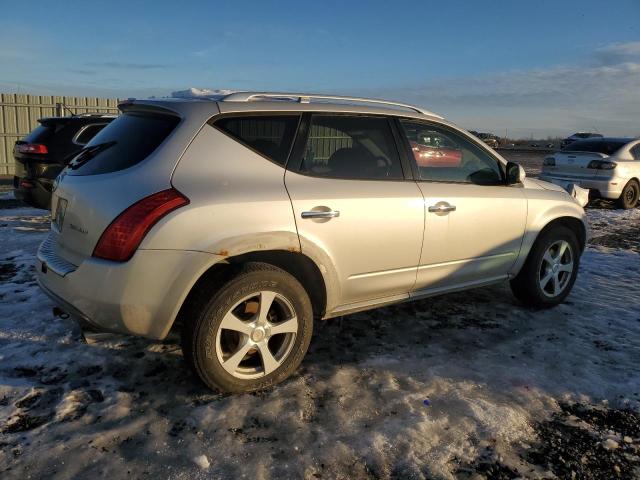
(19, 115)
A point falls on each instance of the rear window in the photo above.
(587, 135)
(39, 135)
(123, 143)
(271, 136)
(598, 146)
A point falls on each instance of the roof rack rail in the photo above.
(307, 97)
(95, 114)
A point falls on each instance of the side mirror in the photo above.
(515, 173)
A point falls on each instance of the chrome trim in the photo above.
(382, 272)
(467, 260)
(432, 292)
(55, 263)
(307, 97)
(320, 214)
(442, 208)
(75, 137)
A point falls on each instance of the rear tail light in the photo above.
(26, 184)
(33, 148)
(549, 162)
(122, 237)
(602, 165)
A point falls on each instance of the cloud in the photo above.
(129, 65)
(618, 53)
(556, 100)
(82, 71)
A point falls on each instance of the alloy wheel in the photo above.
(556, 268)
(256, 335)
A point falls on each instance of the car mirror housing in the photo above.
(515, 173)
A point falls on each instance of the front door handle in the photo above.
(320, 214)
(442, 207)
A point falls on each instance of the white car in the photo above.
(607, 167)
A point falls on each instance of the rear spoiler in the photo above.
(133, 105)
(48, 121)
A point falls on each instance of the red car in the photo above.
(427, 156)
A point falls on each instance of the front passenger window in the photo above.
(443, 155)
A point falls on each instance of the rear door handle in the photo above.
(442, 207)
(320, 214)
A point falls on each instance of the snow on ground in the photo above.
(193, 92)
(461, 385)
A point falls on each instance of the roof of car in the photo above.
(286, 101)
(608, 139)
(83, 116)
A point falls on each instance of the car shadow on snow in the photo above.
(365, 374)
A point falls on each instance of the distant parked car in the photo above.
(489, 138)
(608, 167)
(41, 155)
(578, 136)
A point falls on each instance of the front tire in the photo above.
(250, 334)
(550, 270)
(630, 195)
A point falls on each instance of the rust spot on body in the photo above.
(222, 253)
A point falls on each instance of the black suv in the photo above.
(41, 155)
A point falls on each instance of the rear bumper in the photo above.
(140, 297)
(610, 188)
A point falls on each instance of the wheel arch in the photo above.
(575, 224)
(572, 223)
(301, 267)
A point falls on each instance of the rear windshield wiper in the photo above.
(87, 153)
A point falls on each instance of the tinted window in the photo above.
(126, 141)
(351, 148)
(39, 134)
(88, 132)
(607, 147)
(635, 152)
(271, 136)
(446, 156)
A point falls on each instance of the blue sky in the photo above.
(535, 68)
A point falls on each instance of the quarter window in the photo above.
(270, 136)
(88, 132)
(443, 155)
(351, 147)
(635, 152)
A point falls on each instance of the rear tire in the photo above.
(251, 333)
(545, 279)
(630, 195)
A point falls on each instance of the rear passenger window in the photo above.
(351, 148)
(88, 132)
(443, 155)
(635, 152)
(270, 136)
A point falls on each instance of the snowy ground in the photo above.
(470, 385)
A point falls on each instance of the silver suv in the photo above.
(242, 218)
